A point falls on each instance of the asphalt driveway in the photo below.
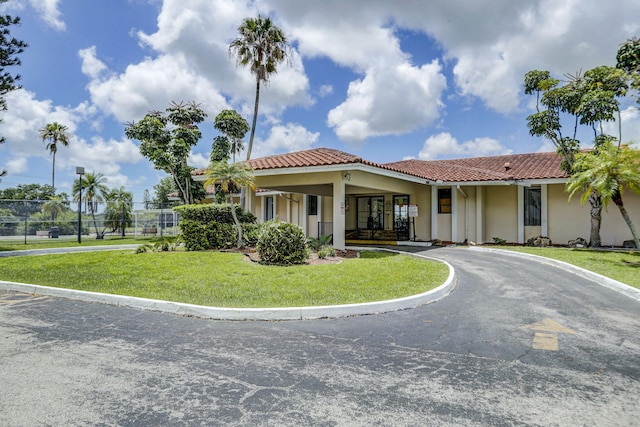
(516, 343)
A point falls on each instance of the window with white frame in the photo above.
(532, 206)
(268, 208)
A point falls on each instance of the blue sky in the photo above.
(381, 79)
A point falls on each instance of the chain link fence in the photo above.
(34, 221)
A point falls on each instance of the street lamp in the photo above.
(80, 172)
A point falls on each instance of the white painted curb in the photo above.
(607, 282)
(221, 313)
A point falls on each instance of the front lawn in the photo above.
(623, 266)
(229, 279)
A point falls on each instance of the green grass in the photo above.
(623, 266)
(32, 243)
(226, 279)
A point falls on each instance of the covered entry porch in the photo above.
(355, 204)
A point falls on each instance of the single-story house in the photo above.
(511, 197)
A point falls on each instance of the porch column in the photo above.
(434, 212)
(544, 218)
(454, 215)
(520, 214)
(305, 215)
(479, 215)
(338, 213)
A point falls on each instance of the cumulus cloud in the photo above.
(91, 65)
(48, 10)
(389, 101)
(444, 145)
(284, 138)
(198, 160)
(16, 166)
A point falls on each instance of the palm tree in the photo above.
(94, 192)
(55, 206)
(262, 46)
(228, 176)
(56, 134)
(607, 173)
(118, 214)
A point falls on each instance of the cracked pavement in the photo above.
(465, 360)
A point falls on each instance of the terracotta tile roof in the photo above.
(521, 166)
(494, 168)
(312, 157)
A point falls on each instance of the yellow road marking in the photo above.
(549, 325)
(548, 340)
(542, 341)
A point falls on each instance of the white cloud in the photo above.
(48, 9)
(152, 85)
(389, 101)
(630, 125)
(91, 65)
(25, 115)
(444, 145)
(325, 90)
(102, 156)
(198, 160)
(16, 166)
(285, 138)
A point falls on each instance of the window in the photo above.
(444, 200)
(312, 205)
(268, 208)
(532, 207)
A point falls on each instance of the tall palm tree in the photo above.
(56, 134)
(54, 206)
(228, 176)
(119, 205)
(262, 46)
(607, 174)
(94, 193)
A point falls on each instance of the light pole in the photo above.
(80, 172)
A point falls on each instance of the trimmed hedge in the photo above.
(211, 226)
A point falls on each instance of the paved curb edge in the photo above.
(220, 313)
(607, 282)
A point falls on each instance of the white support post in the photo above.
(434, 212)
(338, 213)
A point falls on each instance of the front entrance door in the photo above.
(370, 216)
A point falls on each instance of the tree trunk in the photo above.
(243, 190)
(618, 201)
(596, 219)
(235, 220)
(255, 119)
(53, 174)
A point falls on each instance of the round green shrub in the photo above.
(282, 243)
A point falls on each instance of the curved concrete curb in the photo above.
(620, 287)
(220, 313)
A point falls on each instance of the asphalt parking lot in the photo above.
(516, 343)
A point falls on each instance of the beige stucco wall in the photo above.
(614, 230)
(486, 212)
(501, 213)
(569, 220)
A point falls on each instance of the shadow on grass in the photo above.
(376, 254)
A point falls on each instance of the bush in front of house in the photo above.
(206, 227)
(282, 243)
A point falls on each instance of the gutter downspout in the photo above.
(466, 213)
